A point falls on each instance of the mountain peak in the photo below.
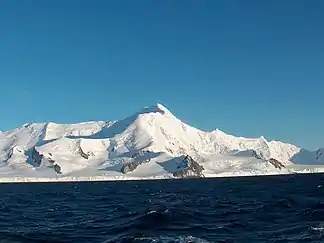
(156, 108)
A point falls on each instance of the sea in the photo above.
(286, 208)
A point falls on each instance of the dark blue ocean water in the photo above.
(254, 209)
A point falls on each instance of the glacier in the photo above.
(150, 144)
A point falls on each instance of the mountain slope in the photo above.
(152, 142)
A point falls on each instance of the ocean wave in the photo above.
(318, 228)
(253, 209)
(160, 239)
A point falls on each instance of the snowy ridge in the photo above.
(150, 142)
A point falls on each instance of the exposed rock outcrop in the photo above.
(131, 166)
(57, 169)
(36, 157)
(85, 155)
(257, 155)
(90, 154)
(50, 160)
(9, 154)
(319, 153)
(188, 167)
(249, 153)
(276, 163)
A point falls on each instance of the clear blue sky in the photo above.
(249, 68)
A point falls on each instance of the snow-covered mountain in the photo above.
(152, 143)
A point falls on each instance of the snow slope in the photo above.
(152, 140)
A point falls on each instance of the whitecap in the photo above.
(318, 228)
(168, 239)
(153, 211)
(162, 239)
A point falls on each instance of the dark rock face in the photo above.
(188, 167)
(131, 166)
(319, 153)
(276, 163)
(83, 154)
(36, 157)
(90, 154)
(57, 169)
(256, 155)
(50, 160)
(9, 154)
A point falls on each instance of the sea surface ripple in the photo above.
(247, 209)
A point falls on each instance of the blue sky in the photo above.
(249, 68)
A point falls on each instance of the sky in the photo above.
(247, 67)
